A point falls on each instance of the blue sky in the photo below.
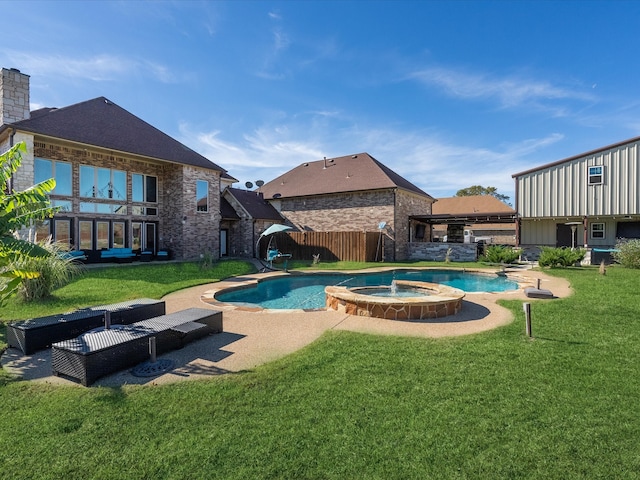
(448, 94)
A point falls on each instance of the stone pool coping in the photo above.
(252, 338)
(247, 281)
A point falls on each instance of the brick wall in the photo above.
(362, 211)
(407, 205)
(180, 227)
(200, 230)
(345, 212)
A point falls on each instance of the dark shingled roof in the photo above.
(352, 173)
(102, 123)
(227, 211)
(255, 205)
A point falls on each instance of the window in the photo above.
(118, 234)
(62, 231)
(136, 235)
(60, 171)
(597, 230)
(202, 196)
(86, 235)
(103, 208)
(102, 183)
(43, 230)
(596, 175)
(63, 205)
(144, 188)
(102, 240)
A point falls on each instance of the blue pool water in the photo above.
(307, 291)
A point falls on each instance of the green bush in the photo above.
(628, 253)
(501, 254)
(560, 257)
(54, 271)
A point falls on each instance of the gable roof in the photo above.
(102, 123)
(576, 157)
(227, 211)
(472, 204)
(351, 173)
(254, 204)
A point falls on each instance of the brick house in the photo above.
(120, 181)
(245, 215)
(352, 193)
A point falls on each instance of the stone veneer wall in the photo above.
(460, 252)
(23, 178)
(14, 96)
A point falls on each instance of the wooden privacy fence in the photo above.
(332, 246)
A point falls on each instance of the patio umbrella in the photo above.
(275, 228)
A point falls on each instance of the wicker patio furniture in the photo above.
(103, 351)
(36, 334)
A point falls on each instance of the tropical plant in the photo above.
(19, 210)
(627, 253)
(560, 257)
(501, 254)
(54, 271)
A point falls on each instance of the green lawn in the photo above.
(492, 405)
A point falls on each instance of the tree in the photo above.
(19, 210)
(479, 190)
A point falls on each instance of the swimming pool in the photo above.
(306, 291)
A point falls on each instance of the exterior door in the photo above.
(563, 235)
(150, 237)
(223, 242)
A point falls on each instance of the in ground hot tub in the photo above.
(404, 300)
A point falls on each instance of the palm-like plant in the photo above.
(19, 210)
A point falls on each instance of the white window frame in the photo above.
(593, 177)
(598, 233)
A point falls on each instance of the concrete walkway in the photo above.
(252, 338)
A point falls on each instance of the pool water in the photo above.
(307, 291)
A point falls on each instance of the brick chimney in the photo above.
(14, 96)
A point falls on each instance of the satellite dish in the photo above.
(248, 185)
(259, 183)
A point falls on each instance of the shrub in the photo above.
(560, 257)
(628, 253)
(206, 261)
(54, 272)
(501, 254)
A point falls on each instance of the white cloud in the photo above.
(509, 91)
(438, 166)
(99, 68)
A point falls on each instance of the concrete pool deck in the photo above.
(254, 337)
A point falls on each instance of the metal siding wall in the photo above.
(562, 190)
(538, 232)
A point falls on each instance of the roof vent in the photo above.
(354, 156)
